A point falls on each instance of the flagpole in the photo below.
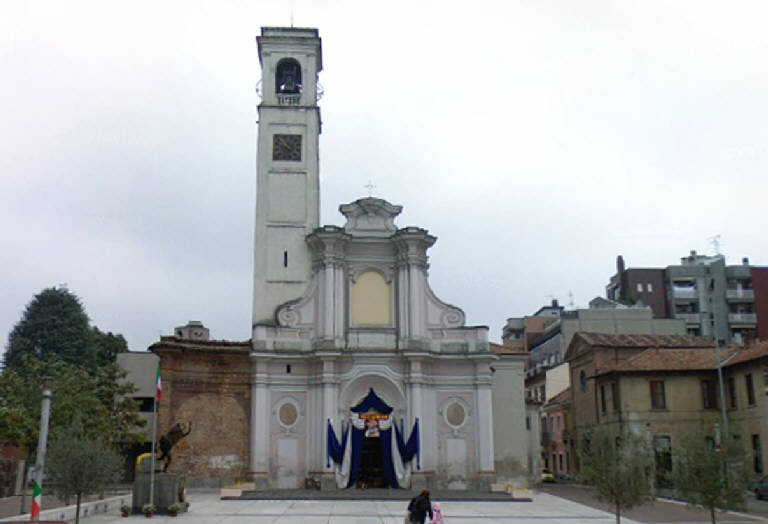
(152, 471)
(158, 392)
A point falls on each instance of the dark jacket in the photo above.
(419, 507)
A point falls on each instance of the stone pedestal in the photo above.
(328, 482)
(483, 481)
(169, 489)
(422, 480)
(259, 480)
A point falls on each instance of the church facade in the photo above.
(357, 374)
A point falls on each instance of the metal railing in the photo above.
(746, 318)
(744, 294)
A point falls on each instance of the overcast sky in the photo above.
(537, 140)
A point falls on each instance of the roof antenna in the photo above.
(715, 241)
(291, 14)
(570, 299)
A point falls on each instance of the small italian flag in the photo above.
(37, 500)
(159, 384)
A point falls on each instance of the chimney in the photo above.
(555, 303)
(745, 261)
(619, 264)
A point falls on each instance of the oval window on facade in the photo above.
(288, 414)
(455, 415)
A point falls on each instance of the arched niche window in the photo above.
(371, 300)
(288, 77)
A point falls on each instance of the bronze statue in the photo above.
(170, 439)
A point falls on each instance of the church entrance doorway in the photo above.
(372, 452)
(371, 465)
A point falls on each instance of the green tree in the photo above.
(100, 398)
(106, 346)
(712, 477)
(619, 466)
(55, 323)
(78, 465)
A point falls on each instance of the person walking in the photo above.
(437, 514)
(419, 506)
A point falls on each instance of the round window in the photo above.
(288, 414)
(455, 414)
(583, 379)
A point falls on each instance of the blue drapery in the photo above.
(357, 453)
(335, 450)
(410, 448)
(372, 400)
(354, 437)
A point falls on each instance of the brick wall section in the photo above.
(760, 285)
(207, 383)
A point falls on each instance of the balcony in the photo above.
(684, 293)
(284, 99)
(740, 294)
(689, 318)
(742, 318)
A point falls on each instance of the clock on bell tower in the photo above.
(287, 170)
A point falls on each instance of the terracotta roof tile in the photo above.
(204, 345)
(644, 341)
(563, 396)
(751, 353)
(667, 359)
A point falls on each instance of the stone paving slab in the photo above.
(373, 494)
(208, 508)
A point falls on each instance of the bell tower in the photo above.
(287, 167)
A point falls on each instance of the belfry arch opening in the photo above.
(288, 76)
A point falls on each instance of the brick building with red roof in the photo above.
(667, 386)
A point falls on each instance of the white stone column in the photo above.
(416, 280)
(403, 296)
(327, 301)
(259, 419)
(484, 399)
(340, 303)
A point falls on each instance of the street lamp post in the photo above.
(42, 442)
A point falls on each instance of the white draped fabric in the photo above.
(342, 470)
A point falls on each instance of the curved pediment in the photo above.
(370, 217)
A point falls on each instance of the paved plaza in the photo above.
(207, 508)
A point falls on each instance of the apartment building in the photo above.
(715, 300)
(546, 344)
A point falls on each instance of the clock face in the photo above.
(286, 147)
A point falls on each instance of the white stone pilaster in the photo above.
(484, 409)
(259, 418)
(330, 401)
(416, 404)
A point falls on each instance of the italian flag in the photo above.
(159, 384)
(37, 499)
